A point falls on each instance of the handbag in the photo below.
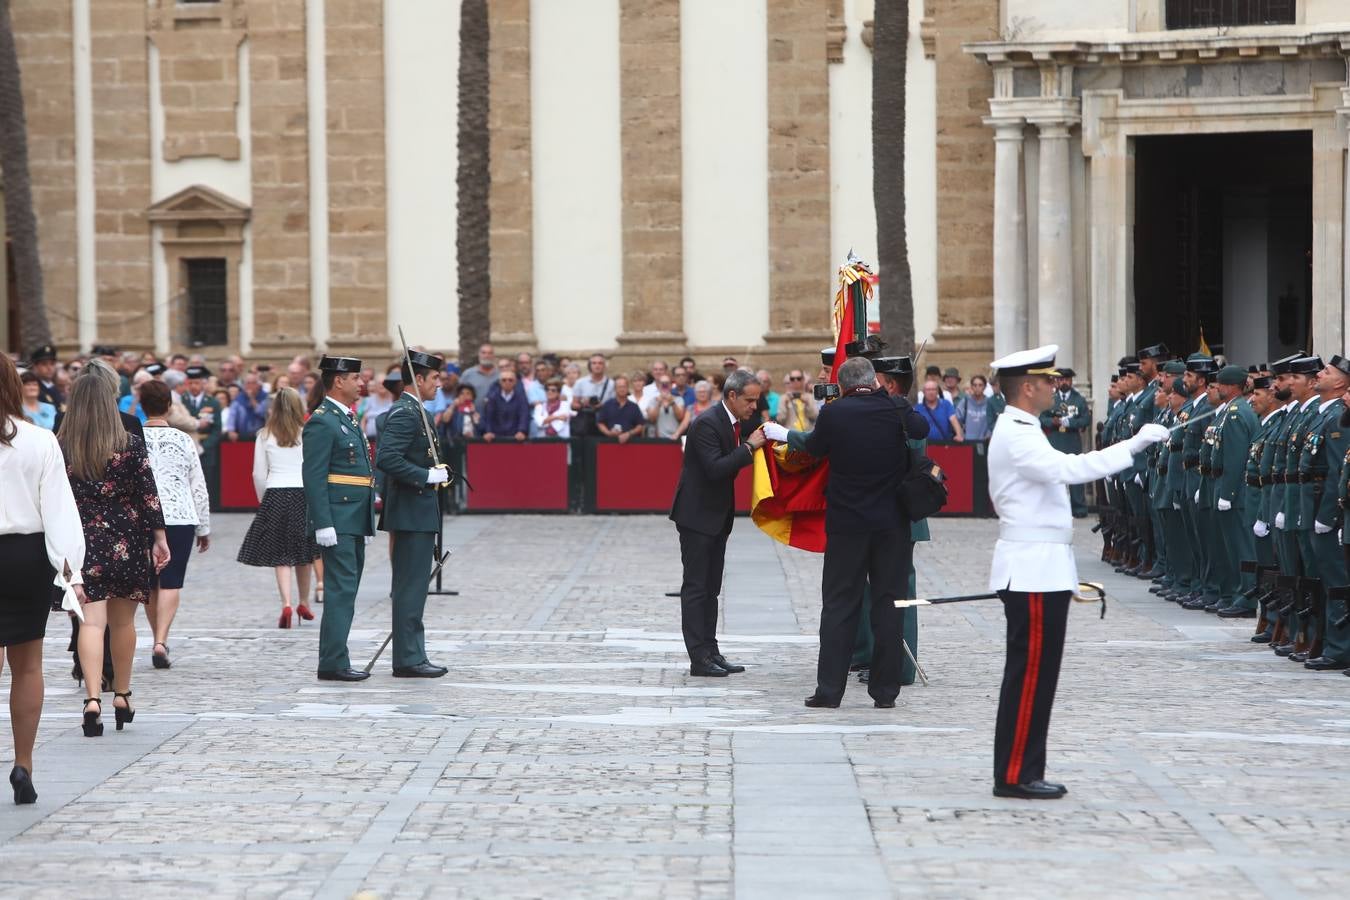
(922, 492)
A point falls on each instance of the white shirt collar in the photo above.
(1307, 403)
(1270, 415)
(1220, 408)
(1322, 407)
(730, 415)
(1291, 404)
(507, 395)
(1135, 396)
(341, 406)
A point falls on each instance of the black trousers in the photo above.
(851, 562)
(703, 556)
(1036, 624)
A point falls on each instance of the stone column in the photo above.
(511, 210)
(653, 244)
(1054, 270)
(1010, 239)
(1111, 240)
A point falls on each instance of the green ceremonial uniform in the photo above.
(1336, 645)
(1180, 549)
(1323, 449)
(337, 458)
(412, 514)
(1228, 472)
(210, 435)
(1259, 460)
(1298, 531)
(1067, 437)
(1192, 445)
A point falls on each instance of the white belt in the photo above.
(1024, 535)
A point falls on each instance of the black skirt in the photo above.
(26, 589)
(280, 534)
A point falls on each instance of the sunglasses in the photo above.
(796, 378)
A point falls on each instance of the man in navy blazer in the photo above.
(705, 501)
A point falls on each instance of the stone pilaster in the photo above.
(509, 204)
(1010, 248)
(198, 46)
(801, 273)
(358, 312)
(42, 33)
(653, 268)
(1054, 241)
(121, 172)
(280, 222)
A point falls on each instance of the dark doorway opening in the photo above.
(1223, 243)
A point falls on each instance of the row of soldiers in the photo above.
(1240, 513)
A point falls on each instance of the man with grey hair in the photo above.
(705, 502)
(865, 438)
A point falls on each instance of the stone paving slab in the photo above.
(569, 753)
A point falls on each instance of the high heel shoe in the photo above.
(123, 714)
(285, 620)
(304, 612)
(22, 782)
(318, 594)
(93, 726)
(160, 660)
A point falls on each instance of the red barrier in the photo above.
(641, 477)
(511, 477)
(236, 475)
(958, 462)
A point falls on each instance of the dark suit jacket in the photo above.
(865, 438)
(129, 422)
(705, 498)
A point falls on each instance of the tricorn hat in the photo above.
(198, 372)
(1262, 381)
(1340, 362)
(341, 364)
(1306, 365)
(1155, 351)
(894, 365)
(42, 354)
(1282, 366)
(426, 360)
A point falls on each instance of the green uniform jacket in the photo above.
(1259, 460)
(1176, 472)
(1160, 496)
(1299, 424)
(1208, 453)
(334, 445)
(404, 458)
(1191, 444)
(1343, 495)
(1144, 412)
(1319, 465)
(210, 434)
(1279, 455)
(1233, 442)
(1074, 417)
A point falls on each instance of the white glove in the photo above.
(368, 540)
(326, 537)
(1279, 521)
(1139, 481)
(1149, 435)
(1177, 507)
(1196, 498)
(1224, 505)
(437, 476)
(1260, 529)
(775, 432)
(1320, 528)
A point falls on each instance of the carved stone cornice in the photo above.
(928, 36)
(836, 29)
(1168, 47)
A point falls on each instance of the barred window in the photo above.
(208, 306)
(1223, 13)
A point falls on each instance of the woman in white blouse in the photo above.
(280, 536)
(41, 543)
(186, 505)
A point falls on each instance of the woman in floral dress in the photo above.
(125, 540)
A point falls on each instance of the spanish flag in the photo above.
(787, 498)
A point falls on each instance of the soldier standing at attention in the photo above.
(1151, 360)
(340, 495)
(1033, 566)
(1268, 412)
(409, 459)
(1063, 424)
(1233, 437)
(1199, 372)
(1320, 469)
(1288, 519)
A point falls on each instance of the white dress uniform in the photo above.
(1034, 573)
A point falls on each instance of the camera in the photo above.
(823, 392)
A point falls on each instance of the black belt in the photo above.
(1204, 469)
(1190, 462)
(1277, 478)
(1254, 481)
(1308, 478)
(1162, 470)
(1215, 473)
(1175, 448)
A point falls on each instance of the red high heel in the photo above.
(285, 620)
(304, 612)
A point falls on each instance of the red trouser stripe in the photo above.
(1035, 615)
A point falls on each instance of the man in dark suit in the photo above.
(705, 501)
(864, 435)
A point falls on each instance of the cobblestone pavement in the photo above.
(568, 753)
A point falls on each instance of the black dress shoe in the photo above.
(1237, 612)
(1194, 603)
(1325, 664)
(730, 667)
(1032, 790)
(1283, 649)
(865, 676)
(708, 669)
(816, 701)
(884, 704)
(1298, 656)
(1262, 637)
(347, 674)
(421, 670)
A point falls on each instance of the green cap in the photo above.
(1179, 387)
(1174, 367)
(1232, 375)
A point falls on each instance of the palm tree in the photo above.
(890, 39)
(18, 185)
(473, 179)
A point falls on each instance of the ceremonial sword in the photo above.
(426, 420)
(1194, 419)
(380, 652)
(1088, 592)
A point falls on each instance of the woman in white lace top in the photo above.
(187, 509)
